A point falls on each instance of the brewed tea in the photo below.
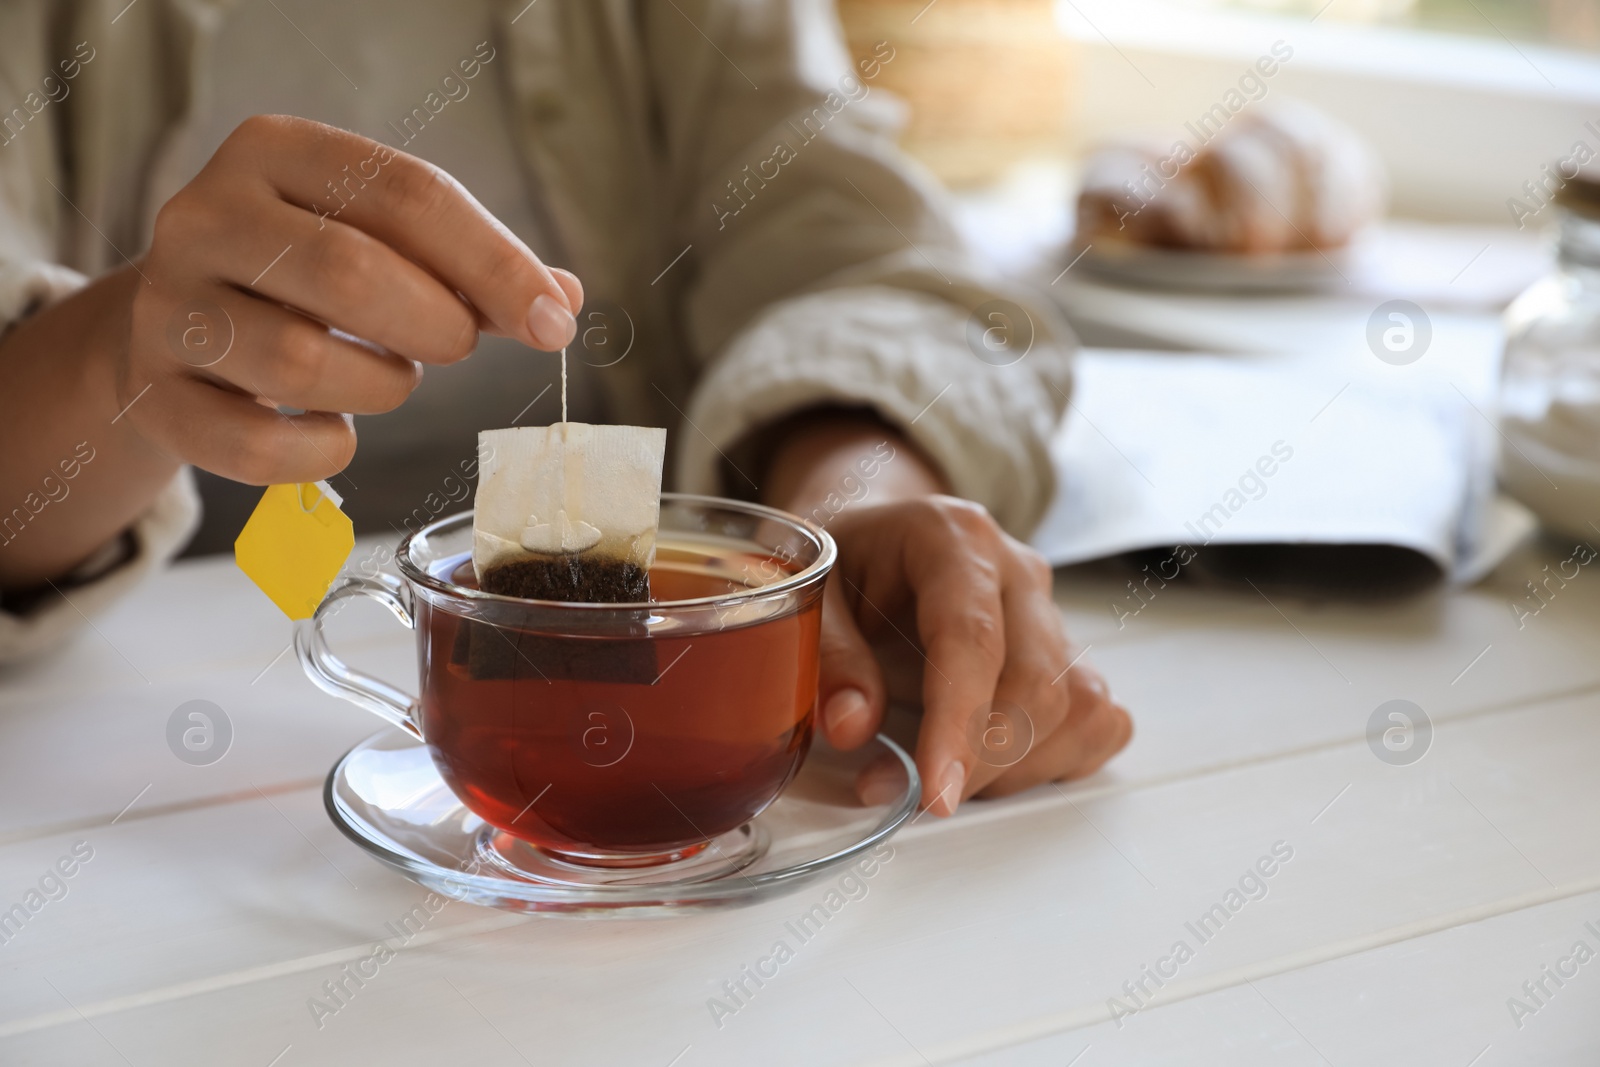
(633, 740)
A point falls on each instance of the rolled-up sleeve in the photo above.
(826, 271)
(902, 354)
(154, 538)
(31, 279)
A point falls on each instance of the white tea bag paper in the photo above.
(568, 512)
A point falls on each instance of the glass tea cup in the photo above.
(608, 735)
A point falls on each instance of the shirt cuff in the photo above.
(906, 356)
(27, 286)
(154, 538)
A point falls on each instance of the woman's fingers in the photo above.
(850, 697)
(1031, 699)
(320, 268)
(237, 437)
(1096, 729)
(1005, 704)
(336, 274)
(571, 286)
(417, 209)
(881, 781)
(292, 361)
(950, 565)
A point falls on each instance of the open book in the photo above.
(1188, 453)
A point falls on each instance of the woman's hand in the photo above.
(304, 268)
(314, 269)
(1006, 705)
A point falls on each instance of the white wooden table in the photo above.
(1419, 898)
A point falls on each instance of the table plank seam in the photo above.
(23, 697)
(154, 811)
(231, 979)
(1086, 1015)
(968, 815)
(949, 1052)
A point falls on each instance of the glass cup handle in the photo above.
(332, 675)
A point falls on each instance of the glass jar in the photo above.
(1550, 386)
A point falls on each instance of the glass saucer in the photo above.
(386, 796)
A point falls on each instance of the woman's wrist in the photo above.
(832, 459)
(77, 474)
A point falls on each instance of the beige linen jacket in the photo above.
(719, 170)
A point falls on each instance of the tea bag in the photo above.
(565, 512)
(568, 512)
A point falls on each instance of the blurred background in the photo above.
(1373, 155)
(1374, 151)
(1463, 99)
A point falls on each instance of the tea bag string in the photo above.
(563, 390)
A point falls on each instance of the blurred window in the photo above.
(1562, 23)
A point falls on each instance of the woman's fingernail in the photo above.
(841, 708)
(955, 779)
(550, 323)
(881, 786)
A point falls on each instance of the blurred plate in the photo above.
(1165, 268)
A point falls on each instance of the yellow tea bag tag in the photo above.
(294, 544)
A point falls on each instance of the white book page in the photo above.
(1160, 449)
